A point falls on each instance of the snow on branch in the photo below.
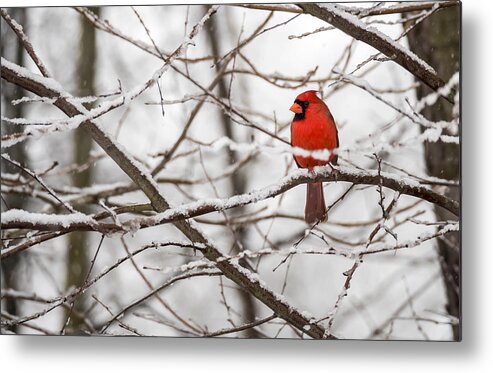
(402, 185)
(403, 7)
(432, 97)
(353, 26)
(433, 130)
(399, 184)
(84, 115)
(30, 220)
(142, 178)
(379, 10)
(18, 29)
(208, 257)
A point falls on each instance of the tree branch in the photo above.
(244, 278)
(351, 25)
(401, 185)
(360, 12)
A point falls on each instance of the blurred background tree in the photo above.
(79, 242)
(437, 41)
(12, 49)
(237, 180)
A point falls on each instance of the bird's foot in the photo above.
(333, 169)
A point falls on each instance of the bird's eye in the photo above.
(303, 104)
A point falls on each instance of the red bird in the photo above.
(313, 128)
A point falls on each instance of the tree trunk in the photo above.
(78, 261)
(437, 41)
(237, 178)
(13, 50)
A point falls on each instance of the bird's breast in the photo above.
(313, 133)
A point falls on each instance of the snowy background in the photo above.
(389, 290)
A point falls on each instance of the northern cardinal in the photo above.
(313, 128)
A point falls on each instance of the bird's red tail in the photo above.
(315, 203)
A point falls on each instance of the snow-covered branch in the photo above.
(379, 10)
(208, 166)
(142, 177)
(401, 185)
(353, 26)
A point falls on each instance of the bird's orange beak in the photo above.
(295, 108)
